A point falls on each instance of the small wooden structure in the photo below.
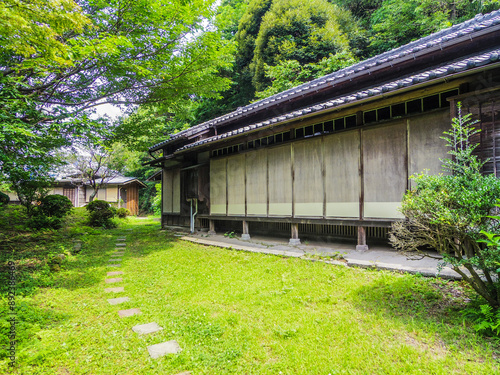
(119, 191)
(333, 157)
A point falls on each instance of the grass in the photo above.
(235, 313)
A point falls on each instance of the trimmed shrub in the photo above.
(122, 213)
(55, 205)
(4, 199)
(40, 221)
(100, 214)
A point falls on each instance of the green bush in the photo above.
(122, 213)
(55, 205)
(41, 221)
(4, 199)
(100, 214)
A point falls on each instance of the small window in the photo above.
(384, 113)
(299, 133)
(398, 110)
(318, 129)
(350, 121)
(286, 136)
(370, 116)
(224, 151)
(235, 148)
(414, 106)
(270, 140)
(257, 143)
(431, 102)
(328, 127)
(445, 103)
(339, 124)
(279, 138)
(250, 145)
(214, 153)
(263, 141)
(308, 131)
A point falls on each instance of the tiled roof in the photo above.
(434, 41)
(440, 72)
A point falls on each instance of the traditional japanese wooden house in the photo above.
(333, 157)
(119, 191)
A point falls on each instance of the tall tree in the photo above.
(60, 58)
(306, 32)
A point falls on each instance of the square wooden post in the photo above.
(295, 240)
(245, 235)
(211, 227)
(362, 246)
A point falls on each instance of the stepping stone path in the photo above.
(168, 347)
(129, 312)
(115, 280)
(157, 350)
(114, 290)
(144, 329)
(117, 301)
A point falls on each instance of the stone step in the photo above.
(121, 245)
(114, 265)
(115, 260)
(129, 312)
(115, 280)
(116, 301)
(164, 348)
(114, 290)
(144, 329)
(113, 273)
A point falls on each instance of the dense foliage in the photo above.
(451, 213)
(100, 214)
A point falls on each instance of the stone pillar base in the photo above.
(245, 236)
(212, 232)
(361, 247)
(294, 241)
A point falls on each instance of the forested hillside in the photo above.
(283, 43)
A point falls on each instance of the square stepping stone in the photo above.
(120, 245)
(115, 280)
(143, 329)
(129, 312)
(114, 273)
(115, 253)
(114, 290)
(164, 348)
(117, 301)
(114, 265)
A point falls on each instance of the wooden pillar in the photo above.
(245, 235)
(362, 246)
(211, 227)
(295, 240)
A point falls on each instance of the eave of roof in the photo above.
(436, 41)
(445, 71)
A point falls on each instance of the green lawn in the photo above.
(238, 313)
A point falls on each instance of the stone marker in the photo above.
(143, 329)
(114, 290)
(115, 280)
(116, 301)
(121, 245)
(113, 273)
(114, 265)
(168, 347)
(129, 312)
